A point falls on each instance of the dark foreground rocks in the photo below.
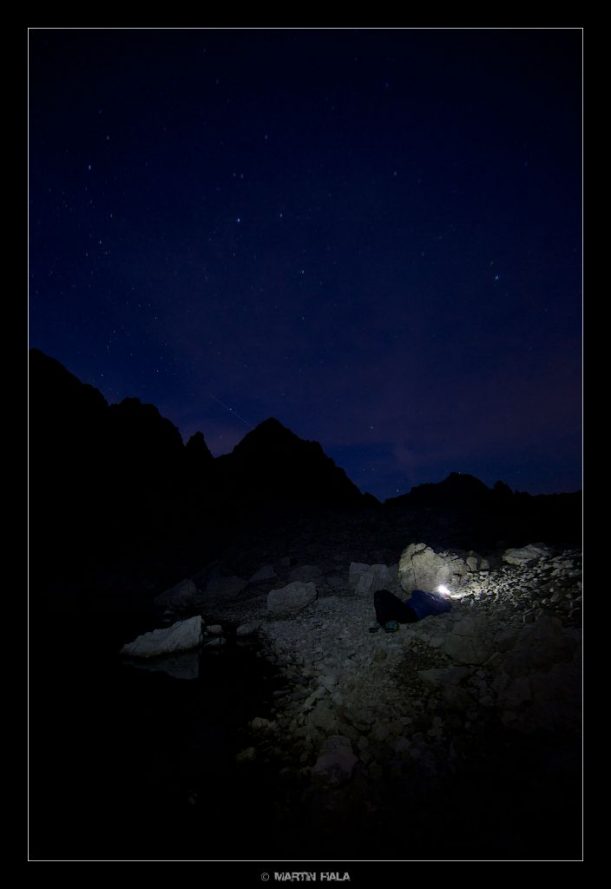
(377, 724)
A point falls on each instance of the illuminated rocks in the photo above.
(474, 668)
(291, 599)
(181, 636)
(421, 568)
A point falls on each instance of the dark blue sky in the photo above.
(374, 236)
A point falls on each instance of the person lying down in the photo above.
(391, 611)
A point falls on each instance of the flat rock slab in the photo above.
(181, 636)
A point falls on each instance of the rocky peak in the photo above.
(271, 461)
(197, 448)
(459, 488)
(271, 433)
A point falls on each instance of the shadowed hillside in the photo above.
(120, 508)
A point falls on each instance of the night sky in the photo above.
(374, 236)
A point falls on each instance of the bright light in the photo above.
(443, 590)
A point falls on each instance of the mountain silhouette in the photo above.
(457, 488)
(114, 482)
(113, 488)
(271, 463)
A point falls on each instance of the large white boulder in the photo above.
(421, 568)
(181, 636)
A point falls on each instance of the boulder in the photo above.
(368, 579)
(291, 599)
(181, 636)
(421, 568)
(526, 555)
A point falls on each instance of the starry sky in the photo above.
(372, 235)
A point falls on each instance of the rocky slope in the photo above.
(380, 722)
